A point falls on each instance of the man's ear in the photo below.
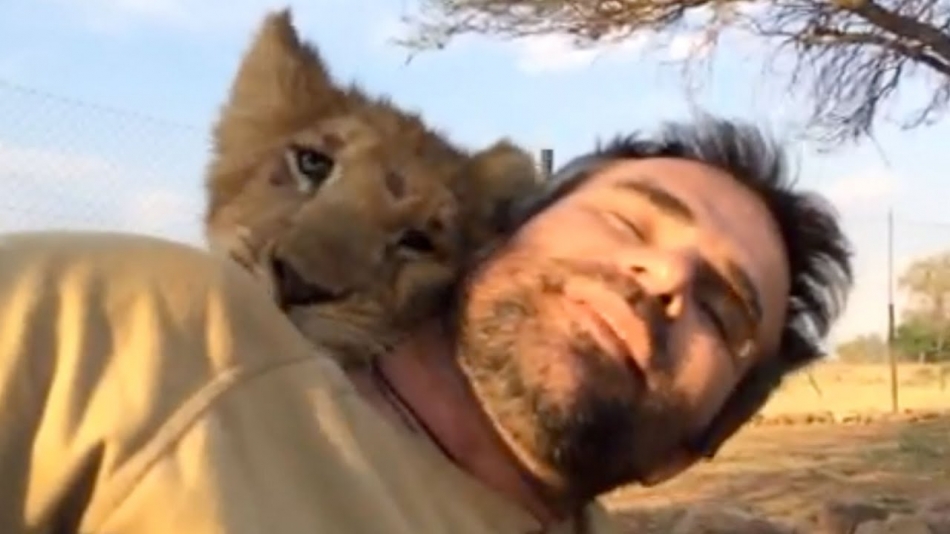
(281, 85)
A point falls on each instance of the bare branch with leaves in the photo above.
(853, 55)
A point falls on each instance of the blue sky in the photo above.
(67, 158)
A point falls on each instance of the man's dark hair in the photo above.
(818, 252)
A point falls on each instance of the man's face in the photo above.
(614, 325)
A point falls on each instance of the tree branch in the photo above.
(830, 37)
(900, 25)
(856, 53)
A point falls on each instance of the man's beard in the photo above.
(604, 430)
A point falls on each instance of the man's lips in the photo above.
(616, 342)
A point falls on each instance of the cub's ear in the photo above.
(495, 179)
(281, 85)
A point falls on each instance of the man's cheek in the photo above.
(704, 379)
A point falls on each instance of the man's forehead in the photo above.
(682, 188)
(677, 173)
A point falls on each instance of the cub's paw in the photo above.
(241, 247)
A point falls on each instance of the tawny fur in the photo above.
(357, 234)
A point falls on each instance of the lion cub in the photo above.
(353, 214)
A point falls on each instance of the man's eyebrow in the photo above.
(662, 200)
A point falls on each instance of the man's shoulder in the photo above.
(139, 323)
(114, 344)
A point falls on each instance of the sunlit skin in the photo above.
(656, 285)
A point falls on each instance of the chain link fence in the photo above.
(73, 165)
(66, 164)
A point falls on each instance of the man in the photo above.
(641, 311)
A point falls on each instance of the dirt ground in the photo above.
(788, 472)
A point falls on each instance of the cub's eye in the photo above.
(311, 167)
(416, 241)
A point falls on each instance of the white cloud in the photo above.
(558, 53)
(868, 189)
(752, 9)
(689, 46)
(385, 28)
(110, 16)
(162, 10)
(43, 188)
(13, 66)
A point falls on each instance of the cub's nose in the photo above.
(293, 290)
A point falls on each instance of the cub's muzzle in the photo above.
(293, 290)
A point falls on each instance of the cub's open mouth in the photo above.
(293, 290)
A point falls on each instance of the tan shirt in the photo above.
(147, 388)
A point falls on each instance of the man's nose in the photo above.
(666, 275)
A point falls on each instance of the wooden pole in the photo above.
(891, 356)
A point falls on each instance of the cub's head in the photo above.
(355, 214)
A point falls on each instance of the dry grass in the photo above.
(788, 472)
(845, 388)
